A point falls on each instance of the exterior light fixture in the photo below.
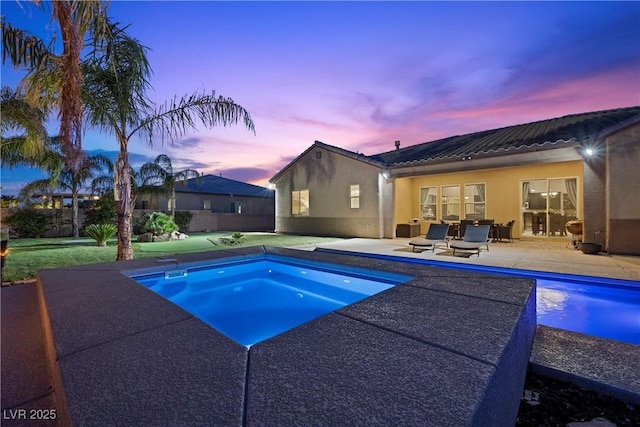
(589, 152)
(385, 174)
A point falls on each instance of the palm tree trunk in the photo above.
(74, 213)
(70, 91)
(122, 196)
(173, 202)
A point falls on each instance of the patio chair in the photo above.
(504, 231)
(437, 234)
(475, 239)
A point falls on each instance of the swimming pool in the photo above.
(603, 307)
(254, 299)
(602, 310)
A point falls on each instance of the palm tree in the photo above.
(30, 145)
(56, 80)
(116, 101)
(72, 181)
(160, 173)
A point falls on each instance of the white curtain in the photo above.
(425, 196)
(572, 191)
(481, 192)
(525, 192)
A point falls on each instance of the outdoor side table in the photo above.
(408, 230)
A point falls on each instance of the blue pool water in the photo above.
(601, 310)
(253, 300)
(603, 307)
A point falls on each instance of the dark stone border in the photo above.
(446, 348)
(606, 366)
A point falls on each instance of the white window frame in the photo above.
(426, 205)
(445, 202)
(298, 205)
(354, 196)
(470, 205)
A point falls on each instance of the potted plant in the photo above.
(591, 247)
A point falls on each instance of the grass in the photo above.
(27, 256)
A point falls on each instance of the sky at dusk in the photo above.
(360, 75)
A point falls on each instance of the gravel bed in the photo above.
(547, 402)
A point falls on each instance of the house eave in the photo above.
(337, 150)
(488, 161)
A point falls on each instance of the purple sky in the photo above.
(361, 75)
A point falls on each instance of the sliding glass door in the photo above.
(547, 204)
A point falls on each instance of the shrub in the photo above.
(235, 239)
(101, 211)
(183, 219)
(158, 223)
(138, 224)
(100, 232)
(30, 222)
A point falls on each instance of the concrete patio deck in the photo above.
(539, 254)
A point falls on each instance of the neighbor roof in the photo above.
(567, 130)
(212, 184)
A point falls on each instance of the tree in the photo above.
(29, 146)
(55, 81)
(159, 173)
(72, 181)
(115, 85)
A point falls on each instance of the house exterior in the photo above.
(540, 174)
(219, 203)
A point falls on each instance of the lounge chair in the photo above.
(437, 234)
(475, 239)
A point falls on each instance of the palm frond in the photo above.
(116, 82)
(186, 174)
(19, 115)
(41, 186)
(175, 118)
(20, 47)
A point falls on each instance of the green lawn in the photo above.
(27, 256)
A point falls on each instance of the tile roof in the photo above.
(212, 184)
(572, 129)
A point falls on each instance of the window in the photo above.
(428, 201)
(206, 205)
(300, 202)
(450, 202)
(547, 204)
(355, 196)
(235, 207)
(474, 201)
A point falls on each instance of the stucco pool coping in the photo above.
(450, 347)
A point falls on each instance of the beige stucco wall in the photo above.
(503, 190)
(328, 176)
(622, 192)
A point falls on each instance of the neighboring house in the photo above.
(247, 206)
(541, 174)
